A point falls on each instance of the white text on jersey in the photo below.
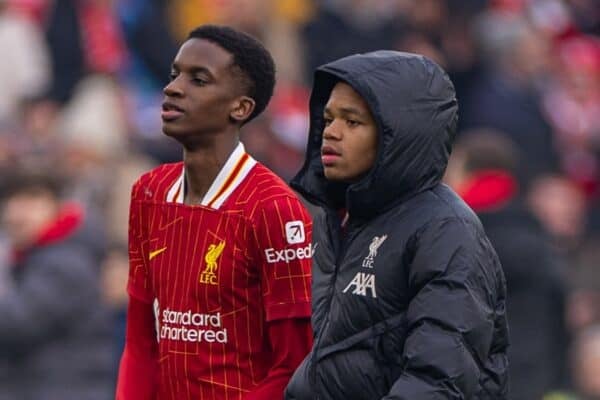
(287, 255)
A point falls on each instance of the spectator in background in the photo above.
(506, 96)
(561, 207)
(585, 15)
(88, 52)
(115, 264)
(84, 37)
(147, 35)
(341, 28)
(584, 298)
(115, 268)
(535, 276)
(54, 338)
(572, 106)
(25, 66)
(586, 363)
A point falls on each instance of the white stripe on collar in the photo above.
(233, 173)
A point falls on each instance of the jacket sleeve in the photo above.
(456, 288)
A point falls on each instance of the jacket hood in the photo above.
(414, 105)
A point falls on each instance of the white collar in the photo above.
(236, 168)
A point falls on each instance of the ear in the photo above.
(242, 108)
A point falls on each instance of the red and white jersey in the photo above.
(217, 273)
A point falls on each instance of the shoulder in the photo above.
(155, 183)
(451, 240)
(438, 208)
(442, 204)
(271, 194)
(440, 218)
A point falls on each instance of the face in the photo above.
(349, 144)
(24, 215)
(205, 95)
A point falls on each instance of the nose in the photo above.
(332, 131)
(173, 88)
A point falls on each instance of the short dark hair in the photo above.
(30, 181)
(250, 56)
(485, 148)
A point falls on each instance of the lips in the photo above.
(329, 151)
(329, 155)
(170, 111)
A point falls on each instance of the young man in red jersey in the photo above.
(220, 247)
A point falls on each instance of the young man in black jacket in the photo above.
(408, 293)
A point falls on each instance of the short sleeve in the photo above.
(139, 277)
(284, 236)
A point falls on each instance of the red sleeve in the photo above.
(284, 235)
(138, 368)
(291, 340)
(139, 279)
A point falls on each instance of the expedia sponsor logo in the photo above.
(294, 232)
(287, 255)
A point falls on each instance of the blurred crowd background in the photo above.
(80, 92)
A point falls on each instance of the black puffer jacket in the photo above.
(408, 303)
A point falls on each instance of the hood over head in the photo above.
(414, 105)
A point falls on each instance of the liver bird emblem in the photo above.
(212, 255)
(374, 246)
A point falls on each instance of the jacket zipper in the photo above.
(340, 253)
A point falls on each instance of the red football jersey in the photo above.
(217, 272)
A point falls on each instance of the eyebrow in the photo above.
(194, 70)
(346, 111)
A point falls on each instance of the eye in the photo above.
(172, 76)
(328, 121)
(199, 81)
(352, 123)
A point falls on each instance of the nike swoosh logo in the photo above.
(156, 252)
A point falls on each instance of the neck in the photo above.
(203, 163)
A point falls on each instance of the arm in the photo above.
(139, 363)
(457, 292)
(283, 241)
(291, 340)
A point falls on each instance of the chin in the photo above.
(337, 176)
(172, 130)
(333, 175)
